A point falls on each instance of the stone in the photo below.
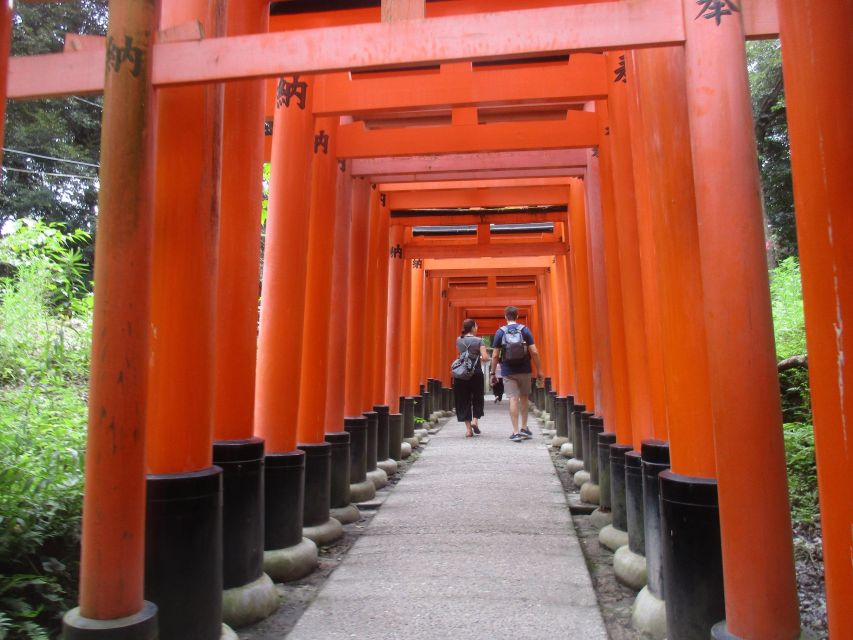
(559, 441)
(405, 450)
(649, 614)
(325, 533)
(600, 519)
(362, 491)
(378, 477)
(345, 515)
(389, 466)
(567, 450)
(249, 603)
(574, 465)
(581, 477)
(630, 568)
(590, 493)
(228, 633)
(291, 563)
(612, 538)
(413, 443)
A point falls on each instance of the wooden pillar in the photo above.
(557, 369)
(406, 328)
(285, 255)
(379, 279)
(339, 331)
(429, 328)
(435, 328)
(647, 255)
(568, 381)
(113, 530)
(369, 364)
(357, 298)
(316, 359)
(417, 328)
(636, 357)
(814, 37)
(582, 308)
(5, 46)
(394, 332)
(571, 337)
(546, 326)
(445, 357)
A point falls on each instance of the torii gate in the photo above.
(687, 52)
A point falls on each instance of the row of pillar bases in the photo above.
(273, 510)
(663, 527)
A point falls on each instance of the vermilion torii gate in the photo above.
(653, 311)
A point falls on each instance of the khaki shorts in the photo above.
(518, 384)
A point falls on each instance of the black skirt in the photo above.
(468, 396)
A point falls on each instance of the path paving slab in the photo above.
(476, 542)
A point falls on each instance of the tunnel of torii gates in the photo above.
(591, 163)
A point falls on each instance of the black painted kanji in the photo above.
(397, 251)
(716, 9)
(321, 140)
(417, 263)
(382, 199)
(117, 56)
(287, 90)
(342, 165)
(620, 71)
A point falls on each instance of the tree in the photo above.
(67, 129)
(764, 62)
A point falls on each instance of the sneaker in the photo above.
(516, 437)
(525, 433)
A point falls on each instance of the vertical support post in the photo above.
(582, 308)
(568, 378)
(406, 328)
(417, 328)
(380, 307)
(5, 46)
(393, 361)
(357, 298)
(113, 533)
(557, 368)
(760, 584)
(374, 255)
(814, 36)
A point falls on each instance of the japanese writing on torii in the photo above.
(321, 140)
(716, 9)
(397, 251)
(287, 90)
(117, 56)
(620, 72)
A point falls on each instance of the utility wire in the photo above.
(48, 173)
(38, 155)
(94, 104)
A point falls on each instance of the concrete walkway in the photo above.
(475, 542)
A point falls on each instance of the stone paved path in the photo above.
(475, 542)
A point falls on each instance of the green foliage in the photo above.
(802, 471)
(45, 335)
(786, 294)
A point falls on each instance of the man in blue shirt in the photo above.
(516, 372)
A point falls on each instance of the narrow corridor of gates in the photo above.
(591, 164)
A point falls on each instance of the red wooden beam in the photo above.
(485, 197)
(494, 250)
(568, 172)
(484, 272)
(477, 218)
(536, 159)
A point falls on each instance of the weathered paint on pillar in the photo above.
(815, 37)
(566, 277)
(113, 531)
(417, 328)
(648, 266)
(435, 327)
(394, 333)
(568, 381)
(317, 322)
(444, 358)
(357, 298)
(636, 358)
(339, 329)
(673, 222)
(379, 278)
(555, 304)
(602, 397)
(406, 328)
(546, 326)
(582, 309)
(283, 299)
(238, 267)
(5, 45)
(183, 287)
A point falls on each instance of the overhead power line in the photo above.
(50, 173)
(43, 157)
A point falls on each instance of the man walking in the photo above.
(513, 346)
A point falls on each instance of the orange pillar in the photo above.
(581, 310)
(558, 370)
(369, 364)
(636, 357)
(546, 326)
(444, 358)
(285, 257)
(339, 330)
(393, 361)
(5, 44)
(380, 310)
(647, 255)
(357, 299)
(182, 478)
(571, 337)
(113, 531)
(815, 36)
(435, 328)
(316, 359)
(405, 329)
(417, 328)
(568, 381)
(761, 590)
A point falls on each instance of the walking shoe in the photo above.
(516, 437)
(525, 433)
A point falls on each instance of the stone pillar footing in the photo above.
(414, 442)
(612, 538)
(600, 519)
(139, 626)
(378, 477)
(324, 533)
(249, 603)
(590, 493)
(389, 466)
(345, 515)
(630, 568)
(559, 441)
(362, 491)
(574, 465)
(567, 450)
(228, 633)
(581, 477)
(649, 614)
(291, 563)
(405, 450)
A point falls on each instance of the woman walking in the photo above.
(468, 394)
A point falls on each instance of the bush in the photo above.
(786, 294)
(45, 335)
(802, 471)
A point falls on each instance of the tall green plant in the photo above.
(786, 294)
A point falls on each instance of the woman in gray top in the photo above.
(468, 394)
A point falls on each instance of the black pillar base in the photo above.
(692, 555)
(560, 422)
(139, 626)
(408, 417)
(634, 502)
(655, 459)
(395, 436)
(339, 469)
(575, 426)
(183, 553)
(617, 485)
(356, 427)
(318, 480)
(586, 454)
(596, 428)
(284, 496)
(242, 464)
(604, 442)
(382, 441)
(418, 407)
(371, 446)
